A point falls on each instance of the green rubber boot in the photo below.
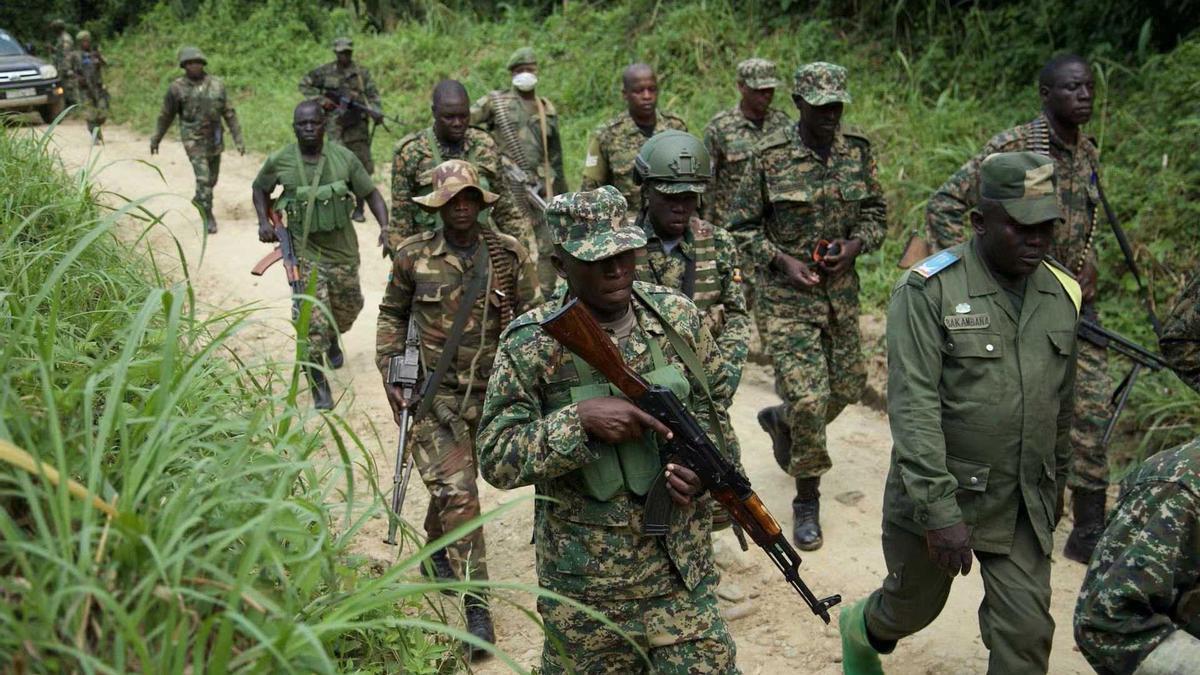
(858, 656)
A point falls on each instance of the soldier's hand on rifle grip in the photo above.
(949, 548)
(397, 401)
(612, 420)
(266, 233)
(797, 273)
(682, 484)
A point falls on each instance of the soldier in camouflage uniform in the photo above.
(430, 273)
(809, 184)
(525, 128)
(550, 421)
(1066, 87)
(450, 137)
(616, 142)
(341, 79)
(61, 47)
(85, 65)
(320, 181)
(1180, 341)
(200, 102)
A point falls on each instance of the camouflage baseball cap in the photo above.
(1023, 183)
(83, 35)
(821, 83)
(522, 57)
(757, 74)
(343, 44)
(591, 225)
(450, 178)
(190, 53)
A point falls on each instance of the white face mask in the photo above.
(524, 81)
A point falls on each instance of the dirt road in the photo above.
(780, 636)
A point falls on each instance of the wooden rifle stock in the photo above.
(574, 328)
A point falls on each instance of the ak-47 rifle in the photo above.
(344, 103)
(575, 328)
(1139, 355)
(403, 371)
(285, 252)
(518, 176)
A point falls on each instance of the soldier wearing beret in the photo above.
(981, 369)
(550, 420)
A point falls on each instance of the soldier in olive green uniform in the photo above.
(85, 64)
(525, 128)
(810, 185)
(430, 274)
(450, 137)
(616, 142)
(61, 46)
(320, 181)
(550, 420)
(981, 363)
(200, 102)
(1066, 87)
(338, 84)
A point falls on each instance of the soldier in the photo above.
(810, 204)
(616, 142)
(1180, 341)
(61, 46)
(450, 137)
(981, 362)
(432, 276)
(320, 181)
(200, 102)
(731, 134)
(525, 127)
(548, 420)
(340, 84)
(85, 66)
(1066, 87)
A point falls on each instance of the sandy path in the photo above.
(781, 636)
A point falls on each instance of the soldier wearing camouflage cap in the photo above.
(549, 420)
(981, 369)
(201, 104)
(810, 205)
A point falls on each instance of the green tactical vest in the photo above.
(705, 284)
(316, 207)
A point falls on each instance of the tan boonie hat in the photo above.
(1023, 183)
(522, 57)
(343, 44)
(591, 225)
(450, 178)
(821, 83)
(757, 74)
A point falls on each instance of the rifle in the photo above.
(517, 176)
(285, 252)
(1141, 357)
(575, 328)
(345, 102)
(403, 370)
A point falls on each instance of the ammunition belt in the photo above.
(503, 274)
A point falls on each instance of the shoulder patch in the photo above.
(853, 132)
(1068, 283)
(935, 263)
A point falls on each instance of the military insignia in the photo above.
(965, 321)
(591, 160)
(936, 263)
(962, 308)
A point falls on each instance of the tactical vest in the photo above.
(704, 282)
(312, 206)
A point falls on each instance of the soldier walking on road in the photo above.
(525, 127)
(434, 273)
(1066, 87)
(616, 142)
(320, 181)
(200, 102)
(550, 421)
(61, 47)
(981, 368)
(810, 204)
(340, 84)
(85, 64)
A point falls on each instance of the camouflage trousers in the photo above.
(339, 292)
(206, 167)
(357, 139)
(681, 632)
(819, 370)
(443, 449)
(95, 106)
(1093, 391)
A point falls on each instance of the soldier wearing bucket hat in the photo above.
(433, 273)
(809, 206)
(981, 371)
(549, 420)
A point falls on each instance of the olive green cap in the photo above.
(343, 44)
(591, 225)
(821, 83)
(58, 23)
(757, 74)
(522, 57)
(83, 35)
(1023, 183)
(190, 53)
(673, 162)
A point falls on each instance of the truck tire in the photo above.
(51, 110)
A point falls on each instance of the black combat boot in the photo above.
(358, 216)
(322, 396)
(210, 221)
(439, 568)
(479, 624)
(1088, 509)
(336, 358)
(806, 514)
(772, 421)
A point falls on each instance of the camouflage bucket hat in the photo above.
(1023, 183)
(757, 74)
(821, 83)
(450, 178)
(522, 57)
(343, 44)
(191, 54)
(591, 225)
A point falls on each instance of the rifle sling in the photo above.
(1127, 251)
(546, 181)
(312, 190)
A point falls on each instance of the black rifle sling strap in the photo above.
(454, 337)
(1127, 251)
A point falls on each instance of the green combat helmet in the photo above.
(673, 162)
(191, 54)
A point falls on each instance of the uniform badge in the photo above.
(966, 321)
(962, 308)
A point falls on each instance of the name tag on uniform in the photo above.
(965, 321)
